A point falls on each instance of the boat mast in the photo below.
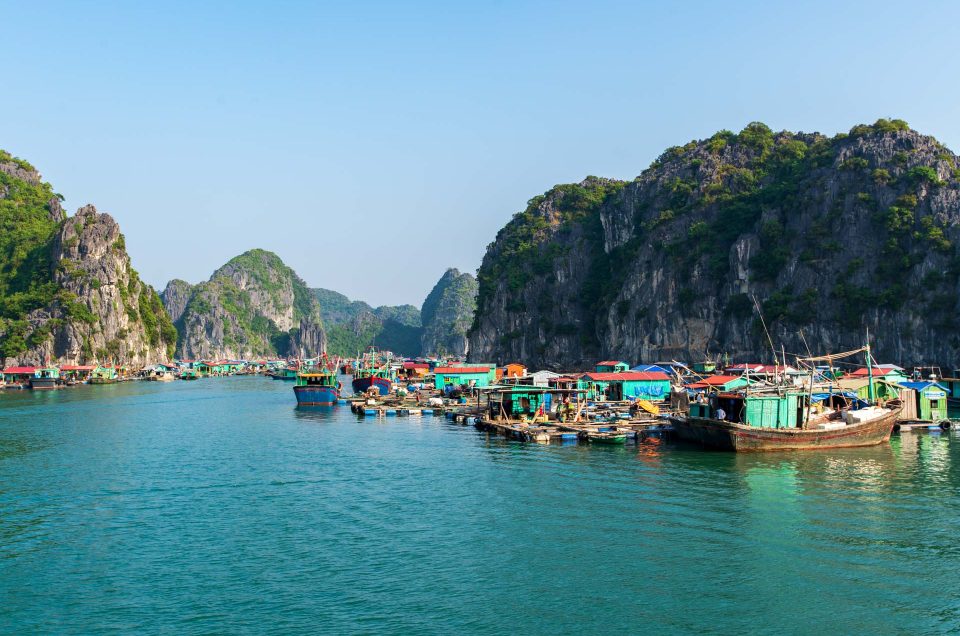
(869, 369)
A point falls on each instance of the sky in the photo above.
(372, 145)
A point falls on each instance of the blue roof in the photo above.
(920, 386)
(651, 368)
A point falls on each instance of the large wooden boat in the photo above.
(867, 427)
(785, 417)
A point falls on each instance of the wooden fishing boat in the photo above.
(787, 418)
(867, 429)
(189, 374)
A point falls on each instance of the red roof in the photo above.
(455, 370)
(881, 370)
(19, 370)
(79, 367)
(628, 376)
(416, 365)
(715, 380)
(610, 363)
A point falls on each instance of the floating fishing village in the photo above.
(479, 318)
(829, 401)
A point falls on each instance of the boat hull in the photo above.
(103, 381)
(41, 384)
(316, 395)
(362, 385)
(739, 438)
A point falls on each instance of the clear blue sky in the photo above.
(374, 144)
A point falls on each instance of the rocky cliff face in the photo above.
(254, 306)
(175, 297)
(828, 236)
(68, 293)
(447, 314)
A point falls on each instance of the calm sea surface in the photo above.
(216, 506)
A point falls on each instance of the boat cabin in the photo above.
(760, 410)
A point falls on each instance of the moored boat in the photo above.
(363, 382)
(861, 427)
(159, 375)
(189, 374)
(317, 386)
(288, 374)
(104, 375)
(785, 417)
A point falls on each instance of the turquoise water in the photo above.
(215, 506)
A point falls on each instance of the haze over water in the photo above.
(216, 506)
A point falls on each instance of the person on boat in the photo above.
(721, 414)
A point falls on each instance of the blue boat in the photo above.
(317, 385)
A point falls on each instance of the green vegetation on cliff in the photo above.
(825, 231)
(27, 228)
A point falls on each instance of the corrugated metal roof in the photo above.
(19, 370)
(628, 376)
(461, 370)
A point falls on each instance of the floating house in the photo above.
(543, 378)
(449, 378)
(77, 372)
(719, 383)
(16, 376)
(612, 366)
(627, 385)
(924, 401)
(512, 370)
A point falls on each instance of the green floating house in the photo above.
(626, 385)
(448, 378)
(924, 401)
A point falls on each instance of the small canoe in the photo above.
(607, 438)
